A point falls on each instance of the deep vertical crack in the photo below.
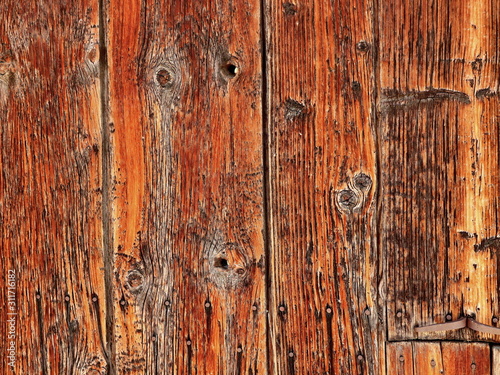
(266, 178)
(106, 185)
(375, 117)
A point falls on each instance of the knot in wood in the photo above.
(228, 265)
(228, 67)
(289, 8)
(229, 70)
(164, 78)
(347, 199)
(293, 109)
(362, 46)
(135, 281)
(363, 182)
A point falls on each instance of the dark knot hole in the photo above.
(230, 70)
(221, 263)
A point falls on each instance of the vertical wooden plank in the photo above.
(438, 358)
(495, 362)
(427, 358)
(466, 359)
(440, 162)
(185, 84)
(399, 358)
(323, 263)
(50, 189)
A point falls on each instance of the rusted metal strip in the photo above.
(459, 324)
(448, 326)
(480, 327)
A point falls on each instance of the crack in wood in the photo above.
(392, 98)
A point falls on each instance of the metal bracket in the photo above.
(459, 324)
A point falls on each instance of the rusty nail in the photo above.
(329, 310)
(360, 357)
(433, 363)
(399, 314)
(473, 366)
(254, 307)
(282, 308)
(291, 354)
(188, 342)
(66, 298)
(448, 317)
(167, 303)
(494, 320)
(94, 299)
(239, 350)
(367, 311)
(401, 358)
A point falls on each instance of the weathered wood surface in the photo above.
(323, 268)
(186, 134)
(440, 163)
(155, 229)
(452, 358)
(495, 362)
(50, 186)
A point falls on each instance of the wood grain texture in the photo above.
(495, 360)
(440, 159)
(399, 358)
(186, 123)
(324, 317)
(50, 186)
(451, 358)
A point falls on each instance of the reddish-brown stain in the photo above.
(249, 187)
(50, 188)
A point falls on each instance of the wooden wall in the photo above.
(249, 186)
